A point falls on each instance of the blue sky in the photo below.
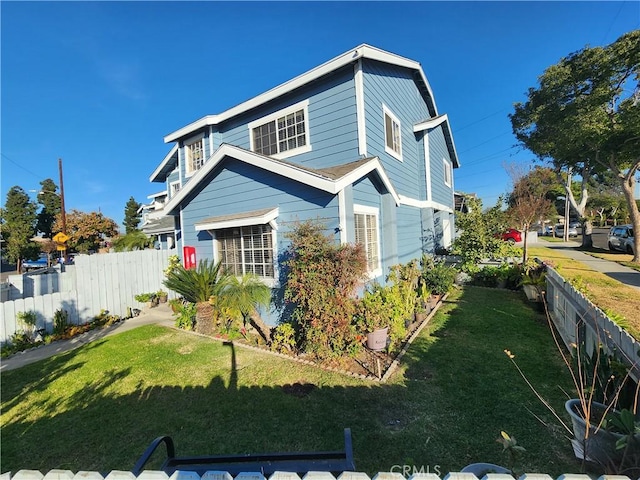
(99, 84)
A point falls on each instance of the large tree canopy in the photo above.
(87, 230)
(584, 117)
(19, 226)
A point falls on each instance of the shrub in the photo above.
(438, 277)
(60, 321)
(283, 338)
(321, 282)
(186, 316)
(197, 284)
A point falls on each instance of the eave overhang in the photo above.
(446, 129)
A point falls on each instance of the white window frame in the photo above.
(448, 173)
(376, 271)
(268, 280)
(304, 106)
(172, 188)
(188, 170)
(390, 150)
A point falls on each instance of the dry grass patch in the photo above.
(608, 294)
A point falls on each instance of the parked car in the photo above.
(546, 230)
(558, 230)
(41, 262)
(511, 235)
(621, 238)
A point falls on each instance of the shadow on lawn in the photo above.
(443, 411)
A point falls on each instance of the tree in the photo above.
(87, 230)
(479, 231)
(50, 200)
(132, 216)
(135, 240)
(527, 201)
(242, 296)
(584, 119)
(19, 226)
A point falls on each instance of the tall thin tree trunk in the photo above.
(263, 329)
(204, 318)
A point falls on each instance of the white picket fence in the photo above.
(95, 283)
(577, 320)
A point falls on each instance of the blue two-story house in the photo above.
(356, 143)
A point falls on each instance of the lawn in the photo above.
(98, 407)
(607, 293)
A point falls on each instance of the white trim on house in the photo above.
(448, 173)
(361, 51)
(372, 211)
(285, 169)
(386, 112)
(261, 219)
(433, 123)
(163, 193)
(164, 162)
(412, 202)
(360, 111)
(210, 139)
(427, 167)
(342, 213)
(273, 117)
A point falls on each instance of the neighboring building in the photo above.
(356, 143)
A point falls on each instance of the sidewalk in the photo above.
(623, 274)
(160, 315)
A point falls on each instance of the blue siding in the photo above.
(332, 121)
(440, 192)
(395, 88)
(237, 187)
(409, 233)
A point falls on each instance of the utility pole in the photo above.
(566, 207)
(62, 212)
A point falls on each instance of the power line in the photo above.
(480, 120)
(21, 167)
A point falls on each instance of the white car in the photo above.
(559, 231)
(621, 238)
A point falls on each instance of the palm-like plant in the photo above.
(197, 286)
(242, 295)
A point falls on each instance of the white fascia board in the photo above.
(361, 51)
(412, 202)
(363, 170)
(157, 171)
(156, 195)
(240, 222)
(433, 123)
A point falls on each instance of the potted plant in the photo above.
(176, 304)
(534, 282)
(510, 448)
(372, 318)
(423, 304)
(149, 298)
(162, 296)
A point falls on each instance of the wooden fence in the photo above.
(94, 283)
(580, 321)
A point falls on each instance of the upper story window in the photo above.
(174, 187)
(366, 232)
(392, 134)
(194, 156)
(282, 134)
(448, 176)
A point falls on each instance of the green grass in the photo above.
(98, 407)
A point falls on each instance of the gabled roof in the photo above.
(166, 166)
(159, 225)
(331, 180)
(361, 51)
(446, 129)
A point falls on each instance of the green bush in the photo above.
(438, 277)
(186, 316)
(322, 278)
(60, 321)
(283, 338)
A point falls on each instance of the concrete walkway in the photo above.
(618, 272)
(161, 315)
